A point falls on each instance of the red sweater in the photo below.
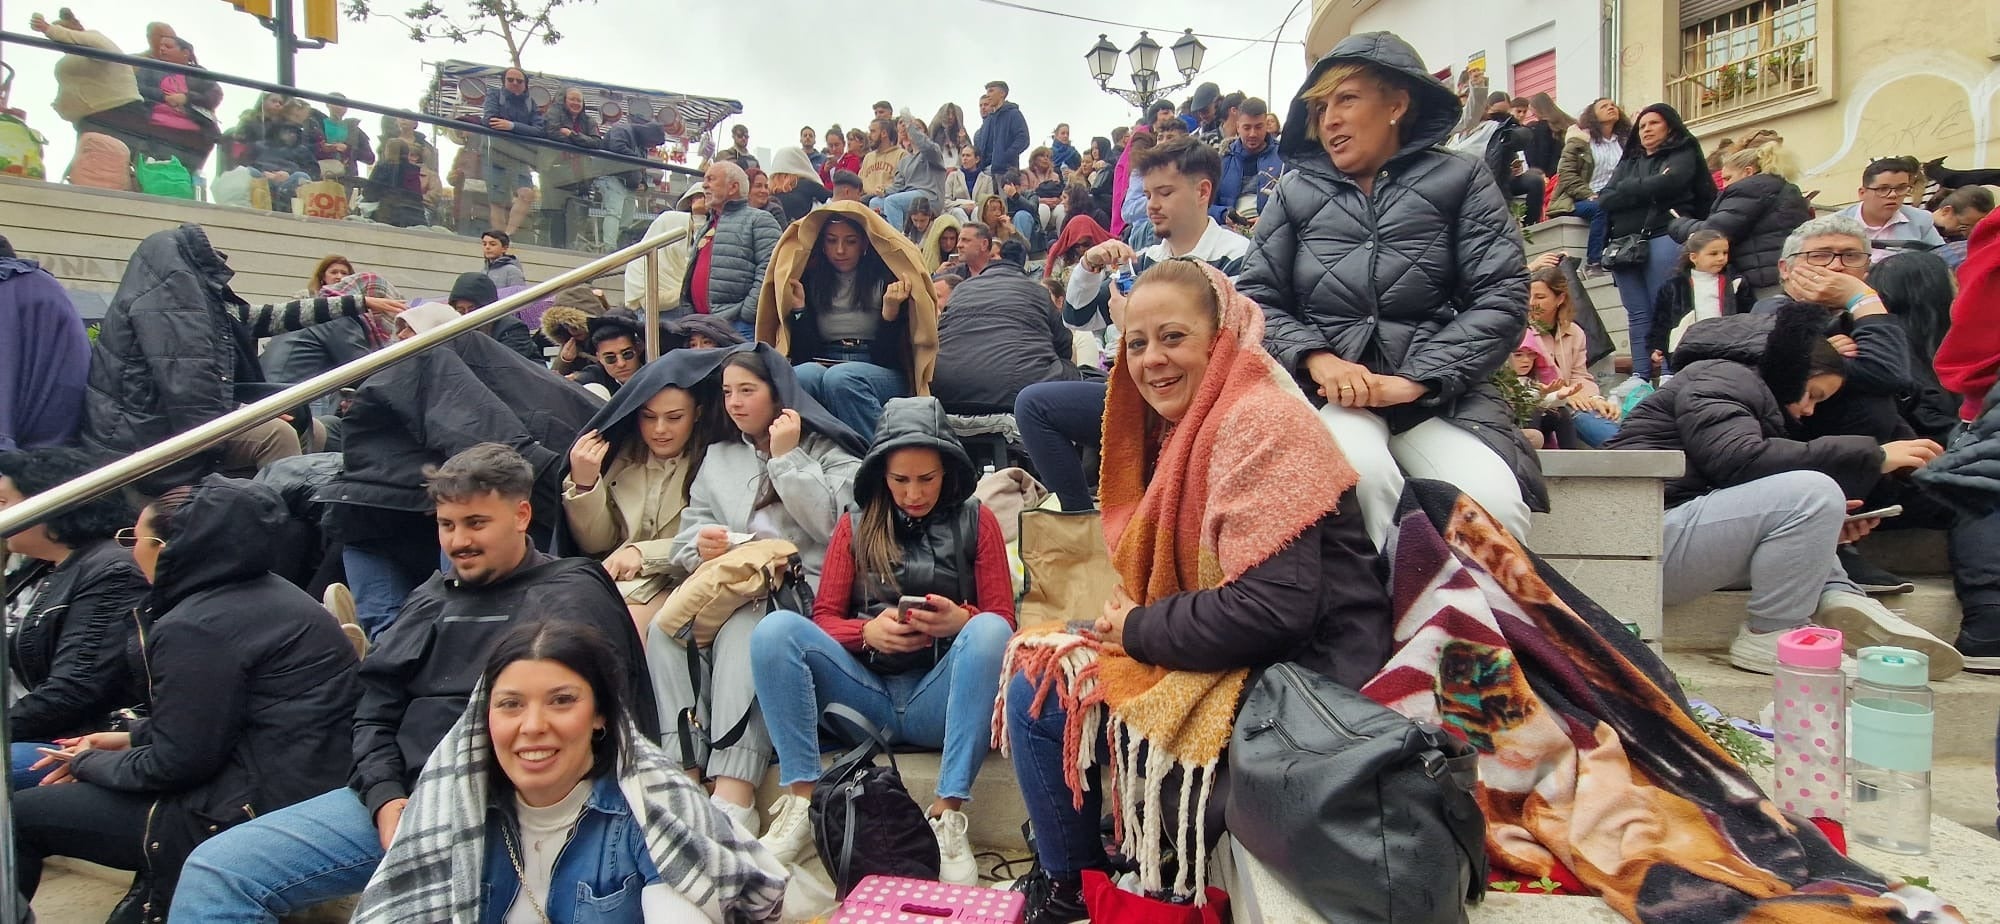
(991, 578)
(1968, 361)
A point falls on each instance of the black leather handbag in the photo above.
(1323, 778)
(1628, 252)
(864, 821)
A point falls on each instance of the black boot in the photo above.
(1979, 639)
(1051, 899)
(1872, 580)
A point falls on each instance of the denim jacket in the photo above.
(599, 873)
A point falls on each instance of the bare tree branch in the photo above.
(516, 23)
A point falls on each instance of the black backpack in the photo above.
(864, 821)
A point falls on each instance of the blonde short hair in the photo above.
(1322, 90)
(1770, 157)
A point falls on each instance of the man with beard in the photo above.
(415, 683)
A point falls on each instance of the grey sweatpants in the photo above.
(1776, 535)
(731, 692)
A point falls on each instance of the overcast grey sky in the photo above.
(789, 63)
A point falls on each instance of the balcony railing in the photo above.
(1787, 70)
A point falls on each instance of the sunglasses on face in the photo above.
(620, 356)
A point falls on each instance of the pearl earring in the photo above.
(1392, 121)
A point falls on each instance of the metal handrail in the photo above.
(138, 465)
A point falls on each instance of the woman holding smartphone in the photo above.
(913, 614)
(786, 473)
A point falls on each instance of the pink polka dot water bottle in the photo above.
(1809, 725)
(1894, 724)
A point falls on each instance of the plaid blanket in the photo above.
(435, 867)
(1589, 760)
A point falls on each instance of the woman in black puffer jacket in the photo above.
(252, 693)
(1662, 176)
(1756, 211)
(1394, 330)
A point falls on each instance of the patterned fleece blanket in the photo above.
(1589, 760)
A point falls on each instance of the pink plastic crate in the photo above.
(893, 900)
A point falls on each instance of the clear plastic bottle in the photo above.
(1894, 721)
(1809, 717)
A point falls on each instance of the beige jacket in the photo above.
(87, 86)
(637, 502)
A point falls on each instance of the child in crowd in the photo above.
(1703, 288)
(1538, 395)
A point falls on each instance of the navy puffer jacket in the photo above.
(744, 239)
(1423, 278)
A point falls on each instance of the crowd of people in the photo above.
(1175, 324)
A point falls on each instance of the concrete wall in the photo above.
(1448, 32)
(84, 237)
(1923, 80)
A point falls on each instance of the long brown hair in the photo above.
(1552, 276)
(319, 271)
(876, 551)
(1545, 107)
(752, 363)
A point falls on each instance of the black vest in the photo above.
(938, 558)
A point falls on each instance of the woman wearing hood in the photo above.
(848, 302)
(631, 470)
(1758, 506)
(795, 184)
(1662, 176)
(941, 242)
(925, 673)
(252, 695)
(786, 472)
(1390, 275)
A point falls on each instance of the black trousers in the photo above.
(1530, 186)
(80, 820)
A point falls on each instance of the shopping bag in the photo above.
(166, 178)
(323, 199)
(1068, 569)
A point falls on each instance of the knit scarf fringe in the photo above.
(1065, 666)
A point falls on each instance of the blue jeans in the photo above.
(1066, 838)
(745, 329)
(1057, 419)
(1594, 429)
(1600, 229)
(896, 207)
(380, 583)
(1030, 227)
(299, 856)
(854, 390)
(1636, 286)
(21, 755)
(800, 669)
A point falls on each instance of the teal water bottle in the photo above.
(1893, 720)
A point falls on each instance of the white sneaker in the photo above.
(744, 816)
(790, 834)
(1863, 621)
(1757, 652)
(955, 851)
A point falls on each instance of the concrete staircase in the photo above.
(1572, 236)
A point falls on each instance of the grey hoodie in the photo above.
(923, 167)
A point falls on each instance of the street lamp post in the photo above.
(1144, 54)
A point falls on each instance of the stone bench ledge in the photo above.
(1613, 463)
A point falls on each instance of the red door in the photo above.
(1536, 75)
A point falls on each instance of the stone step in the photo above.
(1968, 705)
(1710, 622)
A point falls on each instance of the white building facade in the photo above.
(1519, 46)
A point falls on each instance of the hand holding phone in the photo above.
(909, 602)
(1878, 513)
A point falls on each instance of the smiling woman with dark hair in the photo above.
(69, 651)
(548, 796)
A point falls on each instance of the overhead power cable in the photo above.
(1010, 4)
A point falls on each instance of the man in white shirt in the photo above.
(1058, 419)
(673, 261)
(1885, 184)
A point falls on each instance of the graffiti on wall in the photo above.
(1958, 115)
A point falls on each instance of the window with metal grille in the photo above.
(1735, 56)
